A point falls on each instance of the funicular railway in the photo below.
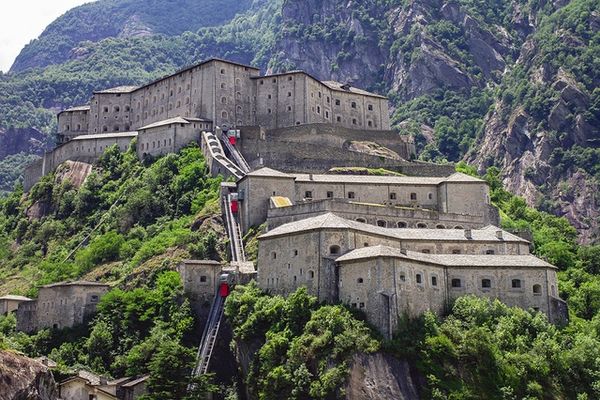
(229, 209)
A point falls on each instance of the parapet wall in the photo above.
(375, 214)
(86, 150)
(316, 148)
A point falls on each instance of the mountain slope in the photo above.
(464, 76)
(103, 19)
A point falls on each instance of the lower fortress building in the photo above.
(390, 272)
(397, 244)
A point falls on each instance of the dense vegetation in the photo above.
(303, 348)
(136, 221)
(111, 18)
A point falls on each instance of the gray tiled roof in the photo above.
(118, 89)
(368, 179)
(268, 172)
(75, 283)
(106, 135)
(351, 89)
(15, 297)
(332, 221)
(447, 260)
(77, 108)
(174, 120)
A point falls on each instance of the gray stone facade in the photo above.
(230, 95)
(455, 195)
(389, 272)
(60, 305)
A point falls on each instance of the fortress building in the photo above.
(229, 95)
(455, 201)
(290, 120)
(60, 305)
(390, 272)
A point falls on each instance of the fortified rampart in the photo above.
(380, 215)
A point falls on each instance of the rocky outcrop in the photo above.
(22, 378)
(380, 376)
(22, 140)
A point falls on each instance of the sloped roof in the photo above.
(106, 135)
(280, 201)
(76, 283)
(137, 381)
(15, 297)
(332, 221)
(77, 108)
(341, 87)
(117, 89)
(447, 260)
(268, 172)
(460, 177)
(175, 120)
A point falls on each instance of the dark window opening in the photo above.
(456, 283)
(419, 278)
(516, 283)
(486, 283)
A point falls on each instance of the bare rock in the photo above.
(74, 171)
(380, 377)
(22, 378)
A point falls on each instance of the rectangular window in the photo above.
(350, 195)
(434, 281)
(419, 278)
(392, 196)
(330, 195)
(308, 194)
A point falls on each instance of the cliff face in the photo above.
(502, 82)
(544, 131)
(22, 378)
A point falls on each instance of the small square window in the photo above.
(330, 195)
(392, 196)
(203, 278)
(456, 283)
(308, 194)
(350, 195)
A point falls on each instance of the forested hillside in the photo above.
(510, 83)
(149, 216)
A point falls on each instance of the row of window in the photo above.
(308, 195)
(155, 144)
(402, 224)
(458, 283)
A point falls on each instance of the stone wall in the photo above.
(59, 306)
(386, 287)
(200, 280)
(376, 214)
(83, 148)
(166, 139)
(305, 258)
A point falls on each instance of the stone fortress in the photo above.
(168, 113)
(397, 244)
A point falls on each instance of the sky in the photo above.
(24, 20)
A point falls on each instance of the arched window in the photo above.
(224, 114)
(490, 251)
(421, 225)
(381, 223)
(486, 283)
(515, 283)
(440, 226)
(334, 249)
(458, 227)
(426, 251)
(537, 289)
(364, 221)
(401, 224)
(223, 100)
(353, 104)
(430, 196)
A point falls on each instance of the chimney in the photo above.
(499, 235)
(468, 233)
